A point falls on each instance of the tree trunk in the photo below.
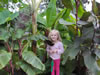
(45, 55)
(34, 46)
(34, 30)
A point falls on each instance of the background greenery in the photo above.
(25, 26)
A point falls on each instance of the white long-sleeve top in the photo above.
(59, 47)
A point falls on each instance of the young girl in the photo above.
(55, 51)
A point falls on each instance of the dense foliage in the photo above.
(25, 27)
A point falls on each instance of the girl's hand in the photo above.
(55, 51)
(51, 51)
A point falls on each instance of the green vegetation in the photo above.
(24, 30)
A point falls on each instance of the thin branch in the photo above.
(20, 49)
(8, 46)
(77, 6)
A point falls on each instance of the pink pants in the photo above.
(56, 67)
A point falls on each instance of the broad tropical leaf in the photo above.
(66, 13)
(6, 15)
(4, 35)
(61, 14)
(85, 16)
(27, 68)
(4, 58)
(97, 52)
(80, 11)
(65, 55)
(64, 22)
(51, 13)
(82, 22)
(19, 33)
(90, 62)
(88, 33)
(73, 50)
(33, 60)
(41, 20)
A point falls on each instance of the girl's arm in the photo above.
(61, 49)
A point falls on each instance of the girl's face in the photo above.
(54, 36)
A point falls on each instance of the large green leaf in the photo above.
(13, 15)
(77, 42)
(4, 58)
(87, 33)
(85, 16)
(4, 35)
(82, 22)
(90, 61)
(62, 14)
(51, 13)
(33, 60)
(64, 22)
(19, 33)
(80, 11)
(66, 13)
(71, 18)
(97, 52)
(65, 56)
(41, 20)
(27, 68)
(6, 15)
(59, 15)
(73, 50)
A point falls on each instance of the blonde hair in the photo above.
(58, 34)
